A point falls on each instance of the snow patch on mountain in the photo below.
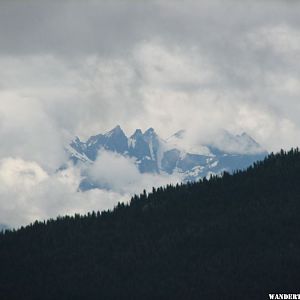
(181, 154)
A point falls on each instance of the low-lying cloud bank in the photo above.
(28, 192)
(120, 174)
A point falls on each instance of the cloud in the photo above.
(158, 85)
(29, 193)
(118, 173)
(90, 66)
(17, 172)
(79, 68)
(26, 130)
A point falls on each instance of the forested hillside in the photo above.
(235, 237)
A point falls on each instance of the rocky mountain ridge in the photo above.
(155, 155)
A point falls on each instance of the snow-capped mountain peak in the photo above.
(177, 154)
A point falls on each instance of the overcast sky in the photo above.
(81, 67)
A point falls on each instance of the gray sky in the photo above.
(81, 67)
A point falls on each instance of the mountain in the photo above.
(179, 154)
(230, 237)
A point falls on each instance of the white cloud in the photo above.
(168, 87)
(120, 174)
(27, 131)
(29, 193)
(280, 38)
(172, 67)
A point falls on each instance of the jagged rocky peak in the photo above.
(115, 131)
(99, 138)
(136, 139)
(138, 132)
(150, 132)
(94, 139)
(151, 137)
(179, 154)
(115, 140)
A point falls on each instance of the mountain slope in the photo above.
(176, 155)
(235, 237)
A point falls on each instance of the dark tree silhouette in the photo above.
(234, 237)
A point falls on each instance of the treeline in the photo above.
(230, 237)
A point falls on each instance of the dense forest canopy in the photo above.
(230, 237)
